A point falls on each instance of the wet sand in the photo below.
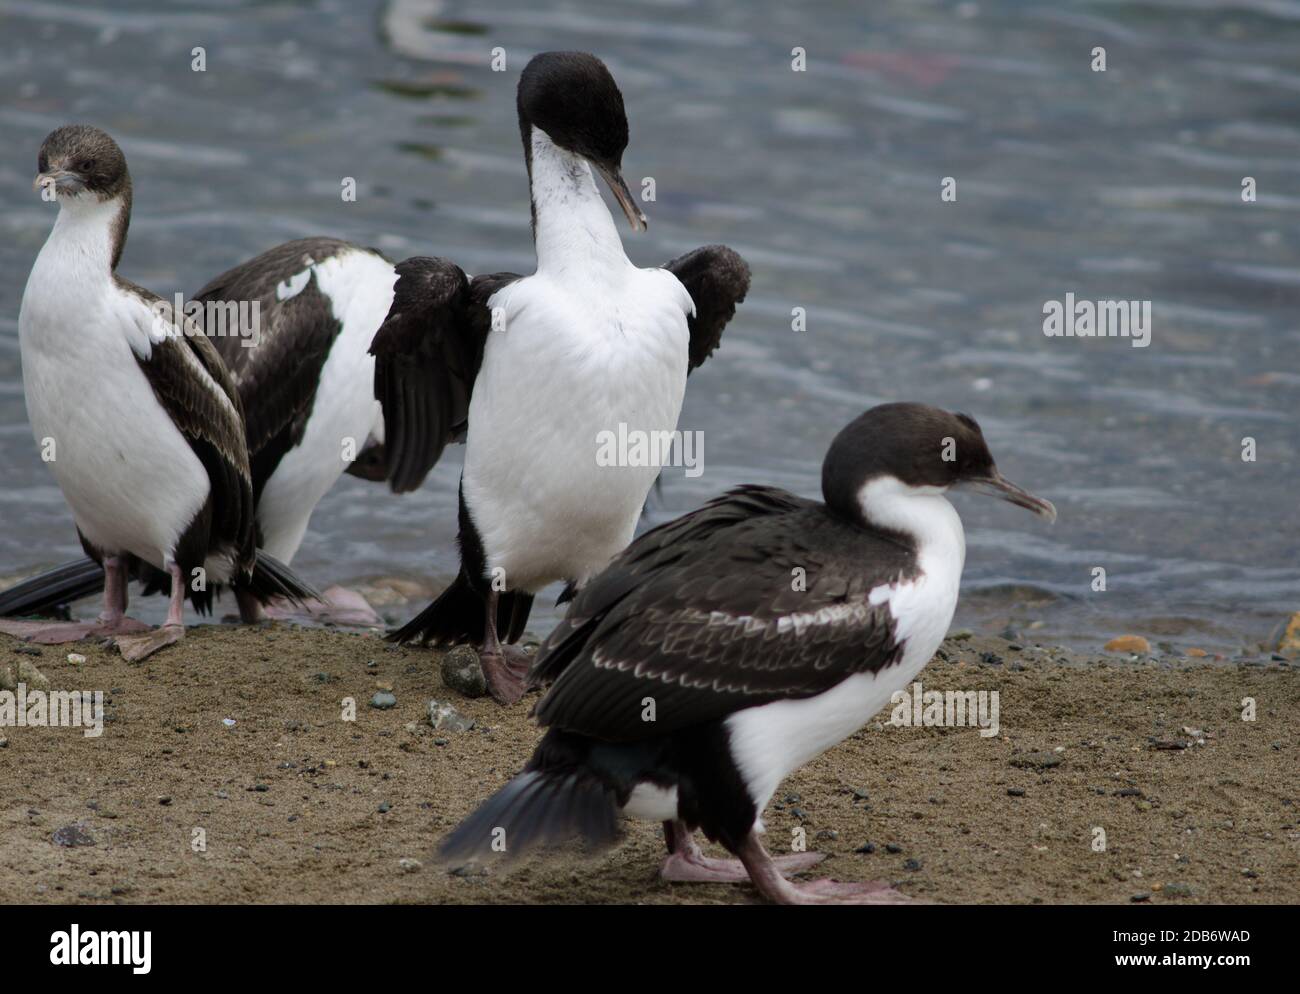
(294, 804)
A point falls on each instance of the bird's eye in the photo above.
(87, 165)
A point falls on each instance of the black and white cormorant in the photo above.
(134, 410)
(294, 326)
(723, 650)
(588, 344)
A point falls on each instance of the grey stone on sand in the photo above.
(462, 672)
(75, 834)
(444, 717)
(1037, 760)
(383, 700)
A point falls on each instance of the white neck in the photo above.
(923, 514)
(83, 234)
(574, 228)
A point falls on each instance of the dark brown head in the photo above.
(82, 162)
(918, 450)
(572, 97)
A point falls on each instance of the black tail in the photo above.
(48, 594)
(458, 615)
(537, 808)
(272, 578)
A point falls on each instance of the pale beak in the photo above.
(64, 180)
(998, 485)
(614, 177)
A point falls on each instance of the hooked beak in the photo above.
(614, 177)
(63, 181)
(998, 485)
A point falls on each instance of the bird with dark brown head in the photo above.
(78, 159)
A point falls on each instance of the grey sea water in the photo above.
(1122, 184)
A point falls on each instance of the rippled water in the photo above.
(1124, 184)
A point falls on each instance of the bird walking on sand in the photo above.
(723, 650)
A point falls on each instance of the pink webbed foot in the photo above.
(506, 671)
(137, 647)
(771, 883)
(61, 632)
(681, 868)
(341, 606)
(839, 892)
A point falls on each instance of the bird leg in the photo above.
(137, 647)
(767, 877)
(686, 863)
(504, 666)
(250, 608)
(111, 621)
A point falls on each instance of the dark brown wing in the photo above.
(277, 364)
(717, 279)
(758, 596)
(196, 390)
(427, 355)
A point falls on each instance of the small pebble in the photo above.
(912, 864)
(893, 847)
(462, 671)
(1129, 643)
(866, 847)
(76, 658)
(383, 700)
(1016, 791)
(1036, 760)
(409, 865)
(75, 834)
(444, 717)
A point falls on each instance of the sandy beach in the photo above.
(226, 772)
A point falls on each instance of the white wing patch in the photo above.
(294, 285)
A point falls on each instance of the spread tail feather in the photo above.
(538, 808)
(457, 617)
(272, 578)
(49, 593)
